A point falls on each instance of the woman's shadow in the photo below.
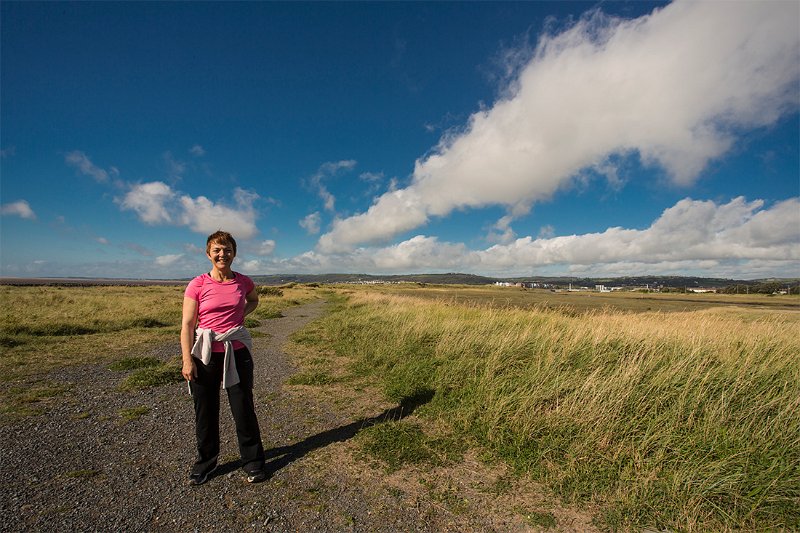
(278, 458)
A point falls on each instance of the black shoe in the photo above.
(198, 479)
(256, 476)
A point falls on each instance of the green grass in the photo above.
(85, 473)
(398, 443)
(539, 519)
(133, 413)
(679, 420)
(154, 376)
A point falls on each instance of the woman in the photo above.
(216, 350)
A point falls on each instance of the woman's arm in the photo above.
(251, 301)
(188, 323)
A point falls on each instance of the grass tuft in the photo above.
(267, 290)
(540, 519)
(396, 444)
(311, 378)
(133, 413)
(153, 376)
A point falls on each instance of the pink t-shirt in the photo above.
(220, 306)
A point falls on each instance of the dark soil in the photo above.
(106, 459)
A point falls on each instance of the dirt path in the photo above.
(85, 466)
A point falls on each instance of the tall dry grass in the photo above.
(42, 328)
(687, 421)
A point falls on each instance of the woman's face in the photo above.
(221, 255)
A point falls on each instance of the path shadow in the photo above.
(280, 457)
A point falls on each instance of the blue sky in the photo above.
(524, 139)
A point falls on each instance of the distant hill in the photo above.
(556, 281)
(446, 279)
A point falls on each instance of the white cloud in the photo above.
(20, 208)
(157, 203)
(501, 231)
(81, 161)
(8, 152)
(204, 216)
(421, 252)
(311, 223)
(327, 170)
(371, 177)
(735, 239)
(151, 201)
(102, 240)
(674, 88)
(266, 247)
(689, 231)
(547, 231)
(197, 150)
(252, 266)
(168, 260)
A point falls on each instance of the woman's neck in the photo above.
(221, 275)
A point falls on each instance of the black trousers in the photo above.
(205, 391)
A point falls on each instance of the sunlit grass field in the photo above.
(44, 328)
(683, 418)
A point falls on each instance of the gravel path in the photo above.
(84, 467)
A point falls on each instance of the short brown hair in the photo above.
(221, 237)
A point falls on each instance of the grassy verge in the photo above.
(682, 420)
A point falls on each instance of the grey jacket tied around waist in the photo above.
(202, 350)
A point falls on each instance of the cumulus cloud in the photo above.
(691, 230)
(150, 201)
(84, 165)
(197, 150)
(204, 216)
(501, 231)
(421, 251)
(738, 238)
(265, 247)
(311, 223)
(157, 203)
(673, 88)
(20, 208)
(102, 240)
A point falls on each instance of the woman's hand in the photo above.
(188, 371)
